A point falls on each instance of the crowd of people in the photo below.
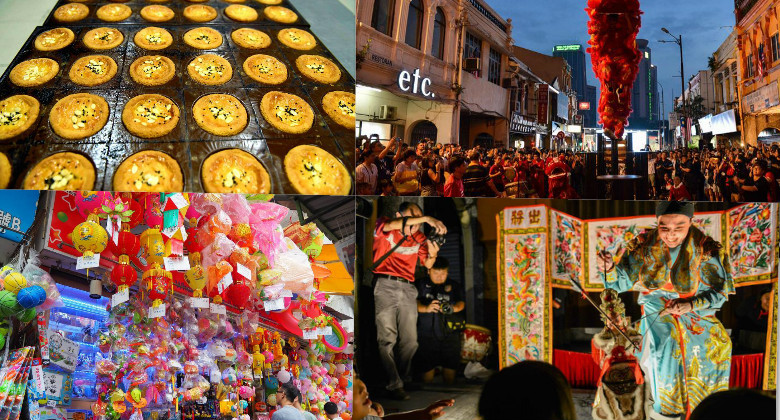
(289, 398)
(448, 170)
(747, 174)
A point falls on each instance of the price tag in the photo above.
(156, 312)
(51, 403)
(83, 263)
(177, 263)
(310, 334)
(120, 297)
(325, 330)
(37, 373)
(243, 271)
(224, 283)
(274, 304)
(202, 303)
(217, 309)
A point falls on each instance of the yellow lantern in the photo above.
(196, 275)
(89, 237)
(153, 246)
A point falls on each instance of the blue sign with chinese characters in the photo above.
(17, 213)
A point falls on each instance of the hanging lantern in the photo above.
(128, 244)
(89, 237)
(215, 274)
(137, 217)
(237, 294)
(123, 275)
(241, 234)
(153, 246)
(196, 276)
(157, 282)
(191, 243)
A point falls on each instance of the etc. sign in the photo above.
(405, 78)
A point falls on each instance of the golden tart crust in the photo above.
(265, 69)
(318, 68)
(17, 114)
(312, 170)
(220, 114)
(203, 38)
(340, 106)
(157, 13)
(54, 39)
(61, 171)
(200, 13)
(287, 112)
(150, 115)
(153, 38)
(251, 38)
(149, 171)
(210, 69)
(103, 38)
(297, 39)
(234, 1)
(92, 70)
(241, 13)
(79, 115)
(271, 2)
(280, 14)
(34, 72)
(114, 12)
(5, 171)
(152, 70)
(234, 171)
(71, 12)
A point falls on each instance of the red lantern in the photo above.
(237, 294)
(241, 234)
(192, 243)
(157, 282)
(123, 275)
(137, 217)
(127, 243)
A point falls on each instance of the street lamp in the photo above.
(678, 41)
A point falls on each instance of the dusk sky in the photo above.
(539, 25)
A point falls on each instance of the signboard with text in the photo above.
(17, 213)
(764, 98)
(542, 102)
(520, 125)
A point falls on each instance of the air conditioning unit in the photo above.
(471, 64)
(386, 112)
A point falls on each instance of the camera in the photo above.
(437, 239)
(446, 308)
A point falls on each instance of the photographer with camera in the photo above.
(438, 327)
(399, 244)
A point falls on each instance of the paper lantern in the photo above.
(88, 202)
(157, 282)
(192, 243)
(127, 242)
(8, 304)
(237, 294)
(137, 217)
(153, 246)
(215, 274)
(14, 282)
(89, 237)
(153, 210)
(241, 234)
(123, 275)
(30, 297)
(196, 276)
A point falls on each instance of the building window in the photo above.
(473, 49)
(414, 24)
(775, 48)
(382, 19)
(750, 66)
(439, 28)
(494, 67)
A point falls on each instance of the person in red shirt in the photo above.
(497, 172)
(395, 295)
(454, 185)
(678, 191)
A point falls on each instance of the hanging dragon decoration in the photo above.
(613, 27)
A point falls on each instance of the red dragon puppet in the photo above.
(613, 27)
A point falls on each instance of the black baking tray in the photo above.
(179, 19)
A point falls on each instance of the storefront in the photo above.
(724, 128)
(522, 132)
(178, 305)
(760, 110)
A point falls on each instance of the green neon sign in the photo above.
(568, 47)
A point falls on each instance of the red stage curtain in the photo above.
(747, 370)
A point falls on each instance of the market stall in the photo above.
(189, 306)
